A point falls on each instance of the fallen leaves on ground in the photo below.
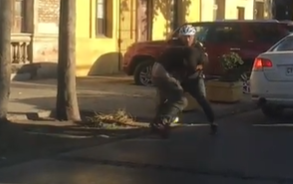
(117, 119)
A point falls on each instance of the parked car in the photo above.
(248, 38)
(271, 80)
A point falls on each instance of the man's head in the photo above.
(187, 35)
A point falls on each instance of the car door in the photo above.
(221, 39)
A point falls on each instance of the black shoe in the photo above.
(165, 131)
(161, 128)
(214, 128)
(153, 128)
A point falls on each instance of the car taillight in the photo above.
(260, 63)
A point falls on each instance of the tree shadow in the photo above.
(108, 63)
(282, 122)
(23, 72)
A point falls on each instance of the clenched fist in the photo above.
(199, 67)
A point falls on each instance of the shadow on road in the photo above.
(284, 122)
(239, 154)
(29, 140)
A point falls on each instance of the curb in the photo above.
(30, 115)
(49, 114)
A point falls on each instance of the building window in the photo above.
(215, 11)
(101, 20)
(18, 16)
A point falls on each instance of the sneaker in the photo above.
(176, 120)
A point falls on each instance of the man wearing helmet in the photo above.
(178, 69)
(183, 32)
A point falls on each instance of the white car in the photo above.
(271, 80)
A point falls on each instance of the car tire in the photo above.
(142, 73)
(272, 111)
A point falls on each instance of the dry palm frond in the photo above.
(119, 117)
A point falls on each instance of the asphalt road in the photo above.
(248, 149)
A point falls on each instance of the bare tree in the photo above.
(5, 59)
(67, 104)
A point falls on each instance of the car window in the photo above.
(201, 31)
(224, 33)
(268, 33)
(285, 45)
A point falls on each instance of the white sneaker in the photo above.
(176, 120)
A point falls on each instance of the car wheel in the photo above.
(142, 73)
(272, 111)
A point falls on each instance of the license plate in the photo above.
(289, 71)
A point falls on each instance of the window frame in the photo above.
(18, 18)
(101, 20)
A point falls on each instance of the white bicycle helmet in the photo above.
(187, 30)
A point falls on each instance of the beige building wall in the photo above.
(232, 8)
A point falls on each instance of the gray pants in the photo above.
(173, 100)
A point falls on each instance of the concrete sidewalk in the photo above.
(99, 95)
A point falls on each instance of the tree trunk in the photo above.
(67, 104)
(5, 59)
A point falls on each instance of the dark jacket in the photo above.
(203, 56)
(180, 61)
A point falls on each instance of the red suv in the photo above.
(248, 38)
